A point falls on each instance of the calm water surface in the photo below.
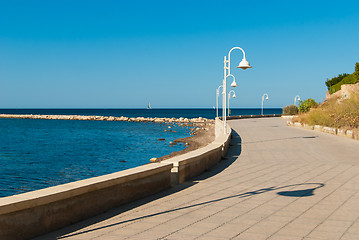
(36, 153)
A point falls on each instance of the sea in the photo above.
(39, 153)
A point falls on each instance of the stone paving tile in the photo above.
(349, 236)
(325, 235)
(265, 228)
(198, 228)
(179, 236)
(251, 236)
(284, 237)
(229, 229)
(255, 197)
(210, 238)
(334, 226)
(295, 230)
(353, 230)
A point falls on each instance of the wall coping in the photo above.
(67, 190)
(218, 142)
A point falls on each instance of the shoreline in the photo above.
(200, 138)
(202, 131)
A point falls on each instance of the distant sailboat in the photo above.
(149, 105)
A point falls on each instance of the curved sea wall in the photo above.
(27, 215)
(193, 163)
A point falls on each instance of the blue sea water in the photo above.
(38, 153)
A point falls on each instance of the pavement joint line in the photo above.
(209, 204)
(129, 212)
(206, 205)
(351, 196)
(245, 199)
(265, 203)
(316, 202)
(261, 161)
(315, 205)
(356, 220)
(175, 198)
(173, 209)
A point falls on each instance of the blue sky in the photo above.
(122, 54)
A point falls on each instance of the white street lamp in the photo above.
(217, 95)
(229, 97)
(295, 99)
(233, 84)
(227, 72)
(263, 101)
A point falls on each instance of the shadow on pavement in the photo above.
(294, 193)
(279, 139)
(303, 192)
(231, 156)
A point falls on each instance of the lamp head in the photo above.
(244, 64)
(267, 98)
(234, 95)
(234, 84)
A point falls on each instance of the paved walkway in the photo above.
(278, 183)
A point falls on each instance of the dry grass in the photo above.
(339, 113)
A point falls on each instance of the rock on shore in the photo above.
(199, 120)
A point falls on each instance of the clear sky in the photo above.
(123, 54)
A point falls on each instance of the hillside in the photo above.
(335, 83)
(341, 108)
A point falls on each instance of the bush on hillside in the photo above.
(335, 80)
(306, 105)
(335, 84)
(350, 79)
(290, 110)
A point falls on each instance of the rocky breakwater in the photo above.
(191, 121)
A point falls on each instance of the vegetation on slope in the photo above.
(335, 83)
(334, 113)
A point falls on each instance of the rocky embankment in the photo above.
(190, 121)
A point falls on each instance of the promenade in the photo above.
(277, 182)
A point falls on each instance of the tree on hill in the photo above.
(335, 80)
(335, 83)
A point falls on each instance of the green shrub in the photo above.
(335, 83)
(290, 110)
(306, 105)
(335, 80)
(350, 79)
(335, 88)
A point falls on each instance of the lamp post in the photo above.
(295, 99)
(229, 97)
(217, 95)
(263, 101)
(227, 72)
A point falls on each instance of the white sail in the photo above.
(149, 105)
